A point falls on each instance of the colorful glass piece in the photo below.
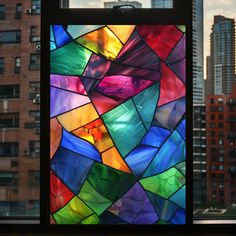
(170, 153)
(122, 122)
(164, 184)
(70, 83)
(60, 35)
(70, 59)
(102, 42)
(73, 212)
(135, 207)
(62, 101)
(117, 128)
(71, 168)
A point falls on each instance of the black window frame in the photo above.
(2, 11)
(15, 91)
(17, 39)
(2, 65)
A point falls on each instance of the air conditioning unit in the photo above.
(36, 100)
(37, 131)
(37, 47)
(28, 11)
(35, 38)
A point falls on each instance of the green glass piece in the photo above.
(146, 103)
(125, 126)
(161, 222)
(73, 212)
(182, 28)
(181, 167)
(70, 59)
(164, 184)
(91, 220)
(109, 182)
(93, 199)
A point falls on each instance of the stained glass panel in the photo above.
(117, 139)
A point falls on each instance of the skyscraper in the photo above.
(198, 82)
(162, 4)
(221, 74)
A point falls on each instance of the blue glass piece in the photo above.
(164, 208)
(109, 218)
(71, 168)
(169, 115)
(155, 136)
(179, 218)
(51, 34)
(79, 146)
(171, 153)
(78, 30)
(61, 37)
(179, 197)
(139, 159)
(52, 45)
(146, 103)
(182, 128)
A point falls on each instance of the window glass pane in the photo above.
(36, 6)
(1, 65)
(10, 37)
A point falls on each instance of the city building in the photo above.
(199, 155)
(221, 148)
(64, 3)
(221, 74)
(198, 82)
(136, 4)
(19, 107)
(162, 4)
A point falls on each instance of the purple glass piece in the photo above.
(122, 87)
(71, 83)
(179, 69)
(137, 73)
(135, 207)
(62, 101)
(178, 53)
(136, 48)
(169, 115)
(97, 67)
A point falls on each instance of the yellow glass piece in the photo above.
(113, 159)
(78, 117)
(122, 31)
(95, 133)
(102, 41)
(55, 136)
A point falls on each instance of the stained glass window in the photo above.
(117, 129)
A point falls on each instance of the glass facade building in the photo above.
(162, 4)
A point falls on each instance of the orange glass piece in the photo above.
(122, 31)
(55, 136)
(113, 159)
(95, 133)
(102, 41)
(78, 117)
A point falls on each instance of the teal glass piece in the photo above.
(125, 126)
(179, 197)
(181, 167)
(52, 46)
(78, 30)
(51, 35)
(146, 103)
(70, 59)
(110, 183)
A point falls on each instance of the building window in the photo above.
(13, 36)
(2, 11)
(9, 120)
(33, 34)
(9, 149)
(213, 133)
(1, 65)
(18, 11)
(34, 61)
(36, 7)
(35, 114)
(8, 179)
(9, 91)
(221, 117)
(220, 109)
(34, 178)
(221, 125)
(34, 148)
(17, 65)
(212, 117)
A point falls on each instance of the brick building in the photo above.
(221, 148)
(19, 106)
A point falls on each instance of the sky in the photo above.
(226, 8)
